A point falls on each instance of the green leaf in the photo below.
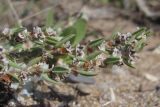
(51, 41)
(93, 55)
(140, 45)
(87, 73)
(59, 70)
(18, 47)
(64, 40)
(111, 60)
(14, 77)
(34, 61)
(50, 19)
(80, 26)
(95, 43)
(126, 61)
(14, 64)
(48, 79)
(68, 31)
(17, 30)
(139, 32)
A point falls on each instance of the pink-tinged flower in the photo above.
(37, 32)
(79, 51)
(68, 47)
(27, 45)
(116, 53)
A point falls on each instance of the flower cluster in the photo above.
(52, 55)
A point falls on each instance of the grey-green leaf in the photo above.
(68, 31)
(95, 43)
(34, 61)
(48, 79)
(17, 30)
(93, 55)
(80, 26)
(111, 60)
(51, 41)
(14, 77)
(60, 69)
(14, 64)
(64, 40)
(87, 73)
(50, 19)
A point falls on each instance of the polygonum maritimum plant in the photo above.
(51, 55)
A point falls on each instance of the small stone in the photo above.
(84, 89)
(80, 79)
(157, 50)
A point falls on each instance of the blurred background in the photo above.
(119, 87)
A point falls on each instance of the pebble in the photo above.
(80, 79)
(85, 89)
(157, 50)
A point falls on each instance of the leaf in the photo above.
(34, 61)
(95, 43)
(14, 64)
(18, 47)
(139, 46)
(51, 41)
(17, 30)
(14, 77)
(93, 55)
(87, 73)
(68, 31)
(80, 26)
(138, 33)
(59, 69)
(111, 60)
(50, 19)
(125, 60)
(64, 40)
(48, 79)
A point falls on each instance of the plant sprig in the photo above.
(52, 55)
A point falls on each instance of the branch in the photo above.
(144, 8)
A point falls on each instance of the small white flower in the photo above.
(119, 34)
(50, 31)
(27, 45)
(144, 37)
(25, 31)
(79, 51)
(102, 47)
(44, 66)
(6, 31)
(5, 61)
(38, 32)
(60, 62)
(137, 28)
(129, 34)
(116, 53)
(68, 47)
